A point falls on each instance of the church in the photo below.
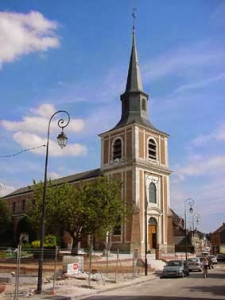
(137, 153)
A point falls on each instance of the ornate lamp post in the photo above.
(62, 141)
(187, 203)
(196, 220)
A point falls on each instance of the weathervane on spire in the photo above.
(134, 17)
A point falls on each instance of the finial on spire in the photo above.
(134, 17)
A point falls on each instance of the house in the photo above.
(218, 240)
(136, 152)
(193, 241)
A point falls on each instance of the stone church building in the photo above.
(137, 153)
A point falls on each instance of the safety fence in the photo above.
(19, 267)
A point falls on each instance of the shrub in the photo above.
(49, 242)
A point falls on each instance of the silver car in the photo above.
(194, 264)
(175, 268)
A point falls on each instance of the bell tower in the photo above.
(137, 153)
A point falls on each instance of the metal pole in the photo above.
(190, 203)
(40, 266)
(146, 236)
(90, 263)
(41, 257)
(17, 279)
(54, 276)
(117, 259)
(185, 231)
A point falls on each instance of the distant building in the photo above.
(137, 153)
(197, 242)
(200, 241)
(180, 238)
(218, 240)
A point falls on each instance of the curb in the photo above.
(117, 285)
(134, 281)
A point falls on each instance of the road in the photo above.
(192, 287)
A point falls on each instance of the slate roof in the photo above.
(134, 87)
(134, 83)
(70, 179)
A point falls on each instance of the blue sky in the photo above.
(73, 55)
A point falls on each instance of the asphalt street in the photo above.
(192, 287)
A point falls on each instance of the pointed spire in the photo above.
(134, 99)
(134, 83)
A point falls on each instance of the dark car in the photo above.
(220, 257)
(175, 268)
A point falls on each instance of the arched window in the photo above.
(117, 149)
(152, 193)
(151, 149)
(152, 221)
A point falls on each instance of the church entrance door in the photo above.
(152, 233)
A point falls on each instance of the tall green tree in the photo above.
(24, 226)
(5, 223)
(93, 208)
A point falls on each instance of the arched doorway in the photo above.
(152, 233)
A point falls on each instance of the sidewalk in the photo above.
(78, 292)
(81, 285)
(74, 289)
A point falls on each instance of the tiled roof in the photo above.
(70, 179)
(220, 229)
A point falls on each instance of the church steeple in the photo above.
(134, 100)
(134, 83)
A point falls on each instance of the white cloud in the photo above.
(32, 132)
(208, 200)
(54, 175)
(217, 135)
(43, 112)
(201, 84)
(105, 89)
(22, 34)
(204, 166)
(189, 63)
(28, 140)
(5, 189)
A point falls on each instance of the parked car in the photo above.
(195, 264)
(175, 268)
(220, 257)
(213, 259)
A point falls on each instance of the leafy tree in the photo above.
(24, 226)
(93, 208)
(5, 222)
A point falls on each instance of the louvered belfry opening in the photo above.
(151, 149)
(117, 149)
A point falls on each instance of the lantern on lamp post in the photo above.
(62, 141)
(187, 203)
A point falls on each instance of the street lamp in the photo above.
(188, 202)
(196, 219)
(62, 141)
